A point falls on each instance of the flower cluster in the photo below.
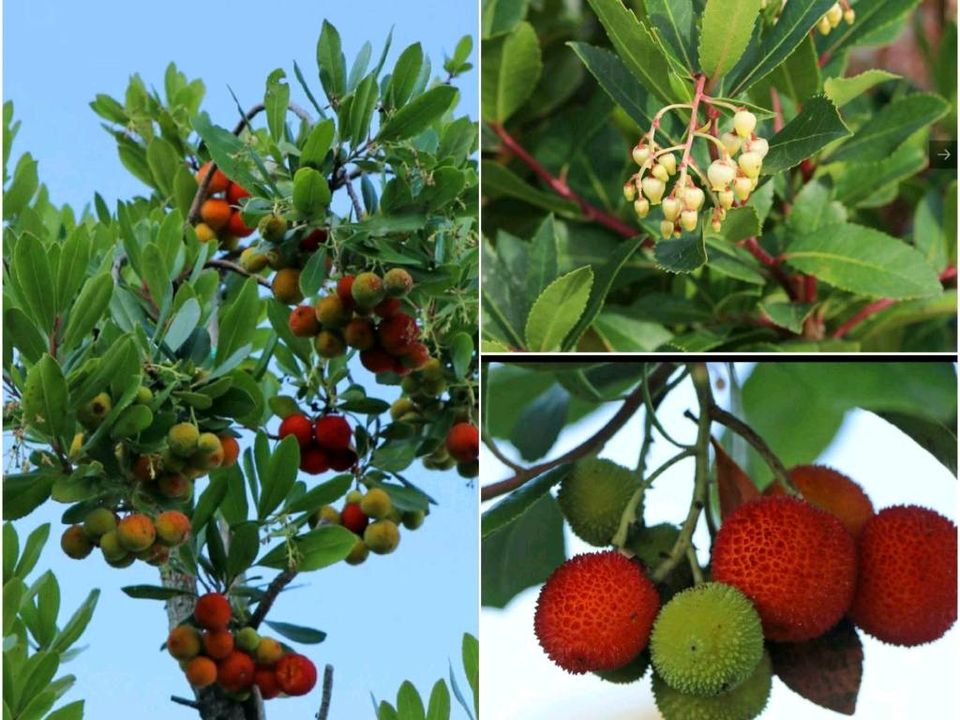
(834, 15)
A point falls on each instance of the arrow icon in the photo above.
(945, 154)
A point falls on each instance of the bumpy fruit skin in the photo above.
(832, 491)
(208, 443)
(907, 587)
(314, 460)
(296, 674)
(593, 496)
(332, 312)
(376, 360)
(266, 680)
(382, 537)
(231, 450)
(173, 527)
(595, 612)
(397, 282)
(745, 702)
(463, 442)
(75, 543)
(326, 515)
(268, 651)
(183, 642)
(136, 532)
(272, 228)
(218, 643)
(397, 333)
(314, 240)
(219, 181)
(353, 518)
(237, 227)
(99, 522)
(235, 672)
(358, 553)
(212, 611)
(182, 439)
(248, 639)
(201, 672)
(416, 357)
(629, 673)
(215, 213)
(155, 555)
(795, 561)
(376, 504)
(333, 432)
(286, 286)
(706, 640)
(299, 426)
(303, 321)
(367, 289)
(360, 334)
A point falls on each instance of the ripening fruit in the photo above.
(397, 282)
(413, 519)
(706, 640)
(183, 642)
(312, 241)
(96, 410)
(332, 312)
(360, 334)
(218, 643)
(333, 432)
(272, 228)
(341, 460)
(205, 233)
(268, 651)
(463, 442)
(329, 344)
(353, 497)
(593, 496)
(382, 537)
(208, 443)
(75, 543)
(99, 522)
(174, 486)
(136, 532)
(215, 213)
(231, 450)
(631, 672)
(110, 546)
(907, 586)
(286, 286)
(235, 194)
(298, 425)
(345, 289)
(155, 555)
(235, 672)
(387, 308)
(744, 123)
(595, 612)
(182, 439)
(416, 357)
(173, 527)
(314, 460)
(832, 491)
(353, 518)
(252, 260)
(793, 560)
(213, 611)
(296, 674)
(358, 553)
(201, 672)
(326, 515)
(219, 181)
(376, 360)
(397, 333)
(303, 321)
(237, 227)
(367, 289)
(266, 680)
(745, 702)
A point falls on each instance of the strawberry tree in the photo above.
(704, 175)
(234, 376)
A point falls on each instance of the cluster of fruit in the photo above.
(324, 442)
(137, 536)
(209, 652)
(220, 211)
(831, 19)
(784, 569)
(731, 181)
(373, 518)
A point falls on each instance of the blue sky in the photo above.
(393, 618)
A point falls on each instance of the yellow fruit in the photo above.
(252, 260)
(286, 286)
(382, 537)
(376, 504)
(358, 553)
(329, 344)
(182, 439)
(136, 532)
(205, 233)
(75, 543)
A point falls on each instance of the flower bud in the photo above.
(726, 198)
(849, 16)
(823, 25)
(693, 198)
(660, 172)
(671, 209)
(669, 161)
(716, 224)
(641, 153)
(750, 163)
(688, 220)
(744, 122)
(629, 190)
(720, 174)
(642, 206)
(666, 228)
(731, 141)
(758, 145)
(835, 15)
(742, 187)
(653, 188)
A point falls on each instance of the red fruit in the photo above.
(265, 679)
(314, 460)
(218, 643)
(333, 432)
(235, 672)
(397, 333)
(345, 290)
(417, 356)
(299, 426)
(341, 460)
(314, 240)
(213, 611)
(389, 307)
(235, 194)
(595, 612)
(353, 518)
(463, 442)
(376, 360)
(296, 674)
(795, 561)
(215, 213)
(360, 334)
(907, 587)
(219, 181)
(303, 321)
(399, 368)
(231, 450)
(237, 227)
(830, 491)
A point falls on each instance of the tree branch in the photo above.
(233, 267)
(270, 596)
(738, 426)
(327, 692)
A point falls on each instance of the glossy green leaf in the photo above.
(213, 495)
(323, 494)
(887, 129)
(153, 592)
(318, 144)
(557, 310)
(418, 115)
(275, 101)
(726, 27)
(35, 280)
(842, 90)
(91, 303)
(25, 492)
(872, 16)
(501, 16)
(511, 68)
(817, 125)
(938, 437)
(77, 623)
(311, 193)
(519, 501)
(677, 26)
(332, 65)
(616, 80)
(164, 161)
(22, 187)
(787, 315)
(236, 326)
(681, 255)
(439, 706)
(280, 476)
(404, 75)
(409, 704)
(243, 548)
(324, 546)
(297, 633)
(23, 333)
(498, 181)
(46, 399)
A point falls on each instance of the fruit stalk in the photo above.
(737, 425)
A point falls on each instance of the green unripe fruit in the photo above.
(746, 702)
(432, 387)
(354, 497)
(593, 496)
(252, 260)
(332, 312)
(402, 409)
(111, 548)
(652, 545)
(326, 515)
(706, 640)
(182, 439)
(75, 543)
(99, 522)
(376, 504)
(397, 282)
(382, 537)
(208, 443)
(122, 562)
(144, 395)
(631, 672)
(367, 290)
(412, 519)
(93, 413)
(410, 384)
(248, 639)
(171, 462)
(329, 344)
(358, 553)
(433, 370)
(272, 228)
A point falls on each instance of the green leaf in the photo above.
(813, 208)
(470, 654)
(681, 255)
(311, 193)
(227, 150)
(616, 80)
(511, 68)
(677, 27)
(817, 125)
(297, 633)
(156, 275)
(418, 115)
(863, 260)
(522, 554)
(132, 420)
(46, 399)
(937, 437)
(76, 624)
(788, 315)
(322, 494)
(34, 280)
(243, 548)
(361, 111)
(501, 16)
(439, 705)
(519, 501)
(313, 274)
(324, 546)
(500, 181)
(72, 711)
(211, 498)
(872, 15)
(332, 65)
(275, 101)
(557, 310)
(236, 321)
(318, 144)
(798, 75)
(889, 128)
(23, 334)
(725, 31)
(23, 493)
(72, 270)
(461, 353)
(409, 704)
(153, 592)
(842, 90)
(31, 550)
(90, 305)
(404, 76)
(280, 476)
(163, 161)
(639, 50)
(183, 323)
(22, 187)
(621, 332)
(540, 423)
(740, 223)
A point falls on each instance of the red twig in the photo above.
(809, 288)
(561, 188)
(694, 124)
(949, 274)
(871, 309)
(766, 259)
(777, 110)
